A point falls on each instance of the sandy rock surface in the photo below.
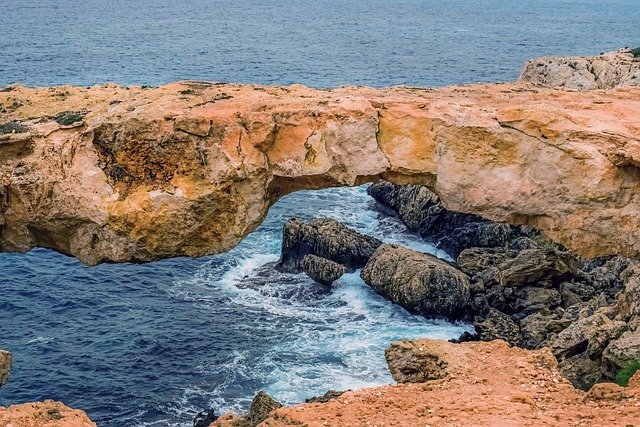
(43, 414)
(480, 384)
(111, 173)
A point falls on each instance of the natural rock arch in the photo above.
(191, 168)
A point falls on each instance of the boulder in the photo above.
(261, 406)
(5, 366)
(622, 351)
(204, 420)
(321, 269)
(628, 307)
(597, 329)
(326, 238)
(582, 371)
(535, 265)
(475, 260)
(419, 282)
(498, 326)
(532, 299)
(534, 330)
(420, 209)
(416, 361)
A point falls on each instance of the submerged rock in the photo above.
(419, 282)
(321, 269)
(325, 238)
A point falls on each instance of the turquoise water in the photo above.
(153, 344)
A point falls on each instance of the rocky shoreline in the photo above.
(532, 191)
(114, 174)
(511, 282)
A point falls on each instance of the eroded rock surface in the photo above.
(419, 282)
(477, 384)
(532, 293)
(5, 366)
(43, 414)
(110, 173)
(605, 71)
(325, 238)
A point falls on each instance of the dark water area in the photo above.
(319, 43)
(150, 345)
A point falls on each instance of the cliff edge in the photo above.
(111, 173)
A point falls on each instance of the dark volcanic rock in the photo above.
(534, 330)
(260, 408)
(419, 282)
(475, 260)
(329, 395)
(421, 210)
(409, 362)
(204, 420)
(321, 269)
(534, 265)
(326, 238)
(497, 325)
(5, 366)
(628, 306)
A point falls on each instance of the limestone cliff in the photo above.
(110, 173)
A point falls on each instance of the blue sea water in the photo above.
(153, 344)
(314, 42)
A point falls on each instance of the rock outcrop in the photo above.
(419, 282)
(605, 71)
(532, 293)
(110, 173)
(43, 414)
(5, 366)
(261, 406)
(321, 269)
(471, 384)
(325, 238)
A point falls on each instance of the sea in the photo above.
(153, 344)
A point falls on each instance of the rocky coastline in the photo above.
(532, 191)
(114, 174)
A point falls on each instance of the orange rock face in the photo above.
(484, 384)
(191, 168)
(43, 414)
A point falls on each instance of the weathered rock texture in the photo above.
(5, 366)
(43, 414)
(325, 238)
(418, 282)
(605, 71)
(321, 269)
(480, 384)
(524, 289)
(111, 173)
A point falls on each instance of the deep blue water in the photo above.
(153, 344)
(314, 42)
